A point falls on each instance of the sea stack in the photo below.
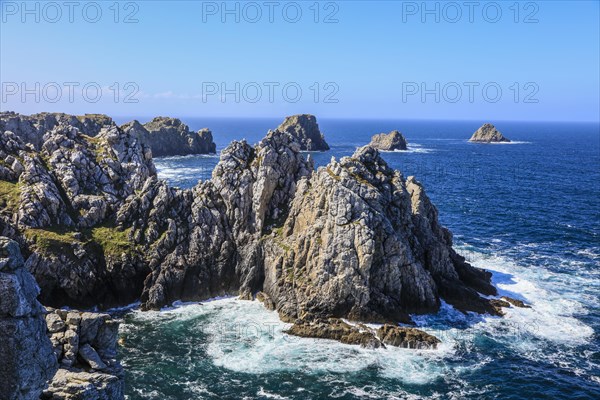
(171, 137)
(488, 134)
(388, 141)
(305, 130)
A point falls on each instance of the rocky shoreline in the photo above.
(353, 239)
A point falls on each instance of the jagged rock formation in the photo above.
(353, 239)
(171, 137)
(305, 130)
(362, 242)
(32, 128)
(487, 134)
(388, 141)
(205, 241)
(28, 361)
(86, 347)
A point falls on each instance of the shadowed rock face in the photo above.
(354, 239)
(488, 134)
(26, 352)
(305, 130)
(388, 141)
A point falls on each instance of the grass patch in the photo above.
(59, 240)
(10, 195)
(52, 240)
(113, 241)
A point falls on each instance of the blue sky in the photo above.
(371, 60)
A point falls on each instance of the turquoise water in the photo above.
(527, 211)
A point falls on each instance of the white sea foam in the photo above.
(243, 336)
(411, 148)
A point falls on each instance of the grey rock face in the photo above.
(388, 141)
(488, 134)
(305, 130)
(171, 137)
(28, 361)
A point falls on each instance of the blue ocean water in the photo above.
(528, 211)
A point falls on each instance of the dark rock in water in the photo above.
(171, 137)
(27, 359)
(515, 302)
(410, 338)
(334, 329)
(305, 130)
(488, 134)
(389, 141)
(337, 329)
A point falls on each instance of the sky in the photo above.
(478, 60)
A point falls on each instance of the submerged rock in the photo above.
(389, 141)
(410, 338)
(305, 130)
(335, 329)
(488, 134)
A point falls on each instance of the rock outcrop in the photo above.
(171, 137)
(27, 359)
(85, 345)
(362, 242)
(488, 134)
(305, 131)
(389, 141)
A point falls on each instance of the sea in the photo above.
(528, 211)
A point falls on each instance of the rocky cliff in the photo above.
(488, 133)
(51, 354)
(389, 141)
(304, 130)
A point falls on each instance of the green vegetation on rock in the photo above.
(10, 194)
(57, 240)
(113, 241)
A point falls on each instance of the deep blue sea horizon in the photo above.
(528, 211)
